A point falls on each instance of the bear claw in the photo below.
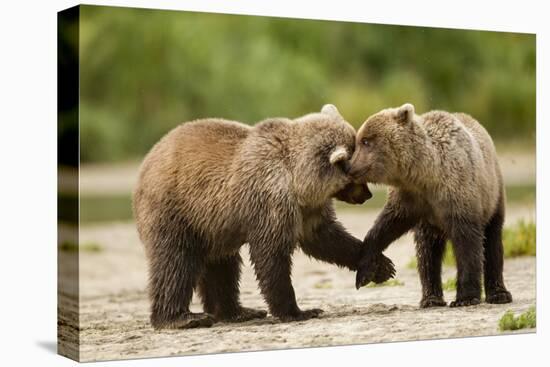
(499, 297)
(302, 315)
(246, 314)
(378, 270)
(192, 320)
(465, 302)
(432, 301)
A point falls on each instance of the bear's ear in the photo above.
(405, 113)
(330, 109)
(339, 154)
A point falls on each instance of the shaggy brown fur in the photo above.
(209, 186)
(445, 184)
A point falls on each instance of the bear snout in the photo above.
(357, 173)
(354, 193)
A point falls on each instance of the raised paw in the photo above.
(376, 269)
(191, 320)
(302, 315)
(432, 301)
(498, 297)
(465, 302)
(385, 269)
(245, 314)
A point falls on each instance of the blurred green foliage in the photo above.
(520, 240)
(144, 71)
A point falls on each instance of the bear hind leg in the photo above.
(430, 246)
(467, 238)
(219, 291)
(495, 291)
(174, 269)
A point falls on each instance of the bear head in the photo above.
(326, 142)
(383, 143)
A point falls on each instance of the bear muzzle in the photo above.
(354, 193)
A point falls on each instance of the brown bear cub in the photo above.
(445, 183)
(210, 186)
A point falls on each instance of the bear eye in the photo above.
(365, 142)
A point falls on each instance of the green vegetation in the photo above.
(449, 284)
(520, 240)
(69, 246)
(144, 71)
(387, 283)
(526, 320)
(449, 257)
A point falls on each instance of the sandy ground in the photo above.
(114, 307)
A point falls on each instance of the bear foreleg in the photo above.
(389, 226)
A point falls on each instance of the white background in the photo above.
(28, 182)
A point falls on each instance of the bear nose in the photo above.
(352, 170)
(345, 166)
(354, 173)
(366, 194)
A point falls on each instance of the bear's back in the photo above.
(468, 157)
(453, 132)
(198, 149)
(187, 170)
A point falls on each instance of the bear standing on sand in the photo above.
(445, 184)
(209, 186)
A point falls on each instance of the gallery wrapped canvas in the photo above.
(232, 183)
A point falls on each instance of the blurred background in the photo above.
(142, 72)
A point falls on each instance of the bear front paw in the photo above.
(377, 269)
(385, 269)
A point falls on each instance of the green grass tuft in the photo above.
(449, 256)
(526, 320)
(387, 283)
(520, 240)
(69, 246)
(450, 284)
